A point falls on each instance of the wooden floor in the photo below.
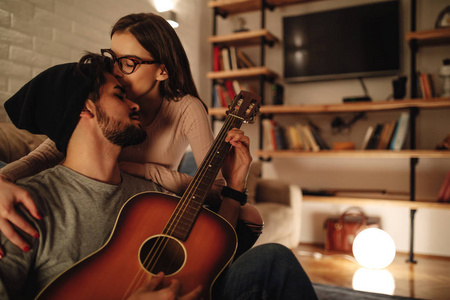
(429, 278)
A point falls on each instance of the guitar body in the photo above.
(137, 250)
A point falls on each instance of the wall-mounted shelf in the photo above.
(244, 38)
(232, 7)
(431, 204)
(242, 73)
(430, 37)
(355, 153)
(346, 107)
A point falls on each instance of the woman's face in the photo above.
(144, 81)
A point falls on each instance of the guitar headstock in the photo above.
(245, 106)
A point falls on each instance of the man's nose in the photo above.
(132, 105)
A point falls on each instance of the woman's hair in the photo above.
(93, 67)
(156, 35)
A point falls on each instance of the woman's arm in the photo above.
(43, 157)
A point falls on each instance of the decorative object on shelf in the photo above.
(338, 125)
(374, 248)
(445, 144)
(341, 231)
(399, 87)
(443, 19)
(277, 94)
(344, 146)
(241, 25)
(445, 73)
(444, 193)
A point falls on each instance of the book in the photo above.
(386, 134)
(319, 140)
(236, 86)
(230, 89)
(280, 137)
(400, 132)
(444, 192)
(226, 59)
(216, 59)
(366, 139)
(308, 136)
(233, 58)
(373, 142)
(305, 143)
(244, 59)
(294, 138)
(268, 134)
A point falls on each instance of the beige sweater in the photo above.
(177, 125)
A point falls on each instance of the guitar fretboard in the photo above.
(192, 200)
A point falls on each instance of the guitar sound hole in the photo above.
(162, 253)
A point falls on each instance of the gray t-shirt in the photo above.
(78, 216)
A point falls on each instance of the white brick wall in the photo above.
(37, 34)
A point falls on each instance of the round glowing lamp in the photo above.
(374, 248)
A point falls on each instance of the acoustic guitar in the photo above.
(157, 232)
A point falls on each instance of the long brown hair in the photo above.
(156, 35)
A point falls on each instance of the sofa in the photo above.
(278, 202)
(280, 206)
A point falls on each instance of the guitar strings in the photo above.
(174, 220)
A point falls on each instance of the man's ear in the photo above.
(162, 75)
(88, 109)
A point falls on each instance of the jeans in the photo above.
(269, 271)
(2, 164)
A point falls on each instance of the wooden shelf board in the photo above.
(378, 202)
(242, 73)
(356, 106)
(430, 37)
(355, 153)
(232, 7)
(348, 107)
(244, 38)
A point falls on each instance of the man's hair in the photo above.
(94, 66)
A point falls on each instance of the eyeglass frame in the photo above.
(136, 60)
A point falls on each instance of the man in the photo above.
(84, 110)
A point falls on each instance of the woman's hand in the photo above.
(10, 196)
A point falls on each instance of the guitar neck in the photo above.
(192, 200)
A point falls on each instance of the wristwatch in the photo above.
(240, 197)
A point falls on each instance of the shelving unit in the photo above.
(414, 39)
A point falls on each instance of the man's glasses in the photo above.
(127, 64)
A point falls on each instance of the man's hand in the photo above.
(10, 196)
(237, 162)
(151, 291)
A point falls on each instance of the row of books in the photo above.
(230, 58)
(300, 137)
(426, 85)
(388, 135)
(225, 91)
(444, 193)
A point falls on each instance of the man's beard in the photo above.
(117, 133)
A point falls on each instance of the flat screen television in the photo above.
(352, 42)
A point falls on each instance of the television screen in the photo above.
(352, 42)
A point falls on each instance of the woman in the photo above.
(152, 66)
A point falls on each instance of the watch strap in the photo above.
(241, 197)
